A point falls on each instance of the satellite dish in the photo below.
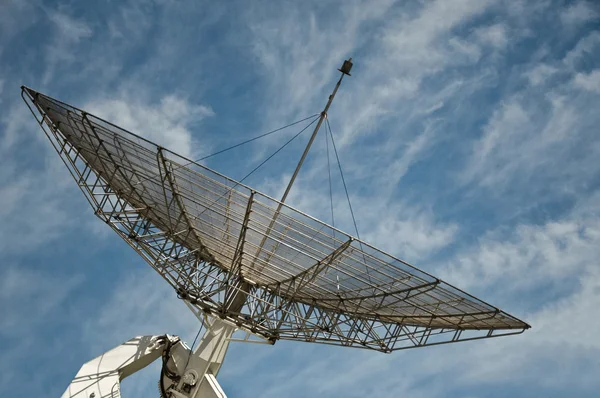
(252, 261)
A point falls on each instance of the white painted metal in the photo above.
(197, 371)
(100, 377)
(210, 388)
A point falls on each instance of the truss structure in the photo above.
(227, 250)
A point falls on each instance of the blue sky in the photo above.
(469, 138)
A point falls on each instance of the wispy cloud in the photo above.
(68, 33)
(468, 139)
(580, 12)
(529, 135)
(532, 255)
(540, 73)
(69, 28)
(167, 122)
(583, 50)
(494, 35)
(31, 190)
(33, 301)
(588, 81)
(140, 304)
(34, 293)
(15, 16)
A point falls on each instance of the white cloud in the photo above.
(120, 26)
(540, 142)
(576, 14)
(14, 121)
(585, 47)
(15, 16)
(418, 44)
(62, 50)
(463, 48)
(561, 329)
(540, 73)
(33, 191)
(506, 126)
(167, 122)
(413, 151)
(300, 60)
(407, 234)
(588, 81)
(34, 295)
(140, 304)
(527, 136)
(33, 206)
(411, 45)
(34, 300)
(69, 28)
(531, 256)
(493, 35)
(556, 319)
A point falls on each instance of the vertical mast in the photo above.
(345, 69)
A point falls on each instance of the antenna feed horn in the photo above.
(346, 67)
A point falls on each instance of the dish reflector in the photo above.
(203, 233)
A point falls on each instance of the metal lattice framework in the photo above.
(217, 241)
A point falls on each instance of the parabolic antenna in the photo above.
(239, 255)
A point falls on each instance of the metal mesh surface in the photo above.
(214, 239)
